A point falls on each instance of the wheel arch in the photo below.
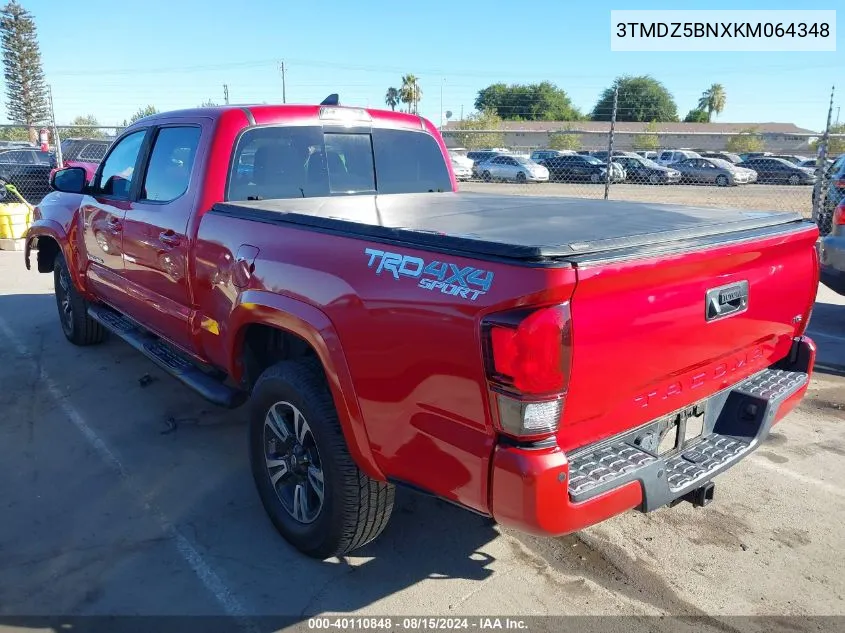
(302, 329)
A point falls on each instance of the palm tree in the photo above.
(410, 93)
(713, 100)
(391, 98)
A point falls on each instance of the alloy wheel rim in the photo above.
(293, 463)
(65, 305)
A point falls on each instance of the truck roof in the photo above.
(264, 114)
(509, 226)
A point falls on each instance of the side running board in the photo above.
(163, 355)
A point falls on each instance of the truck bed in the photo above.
(531, 228)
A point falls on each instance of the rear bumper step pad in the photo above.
(735, 422)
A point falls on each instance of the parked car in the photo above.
(478, 156)
(460, 169)
(461, 159)
(777, 170)
(28, 169)
(650, 155)
(746, 155)
(833, 183)
(705, 171)
(832, 252)
(795, 159)
(811, 163)
(85, 153)
(728, 156)
(539, 360)
(542, 154)
(670, 156)
(578, 167)
(516, 168)
(641, 170)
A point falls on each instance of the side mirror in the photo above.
(69, 180)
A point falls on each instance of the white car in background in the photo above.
(514, 168)
(462, 172)
(460, 158)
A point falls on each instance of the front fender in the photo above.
(312, 325)
(46, 228)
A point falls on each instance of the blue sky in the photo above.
(108, 59)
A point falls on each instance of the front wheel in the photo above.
(520, 178)
(78, 327)
(722, 181)
(486, 177)
(795, 179)
(654, 179)
(313, 492)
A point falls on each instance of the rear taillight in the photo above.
(801, 326)
(839, 215)
(528, 363)
(839, 184)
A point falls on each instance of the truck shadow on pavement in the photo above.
(97, 566)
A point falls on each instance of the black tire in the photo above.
(595, 178)
(794, 179)
(354, 508)
(654, 179)
(485, 176)
(520, 177)
(722, 180)
(78, 327)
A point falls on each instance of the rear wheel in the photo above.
(313, 492)
(78, 327)
(722, 180)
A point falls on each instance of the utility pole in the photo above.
(226, 94)
(56, 139)
(607, 174)
(819, 188)
(282, 69)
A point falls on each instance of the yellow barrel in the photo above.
(14, 220)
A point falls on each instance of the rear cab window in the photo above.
(303, 162)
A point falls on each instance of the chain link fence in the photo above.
(785, 173)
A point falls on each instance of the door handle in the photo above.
(169, 237)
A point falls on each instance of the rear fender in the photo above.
(313, 326)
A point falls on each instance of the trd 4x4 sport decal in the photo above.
(450, 279)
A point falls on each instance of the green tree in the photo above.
(89, 129)
(697, 116)
(391, 98)
(140, 114)
(528, 102)
(14, 134)
(640, 99)
(835, 146)
(410, 93)
(487, 124)
(713, 100)
(748, 140)
(26, 91)
(648, 140)
(565, 139)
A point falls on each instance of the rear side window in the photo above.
(303, 162)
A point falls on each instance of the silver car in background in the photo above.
(706, 171)
(509, 167)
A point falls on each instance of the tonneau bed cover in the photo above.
(509, 226)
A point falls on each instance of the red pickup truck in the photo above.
(544, 361)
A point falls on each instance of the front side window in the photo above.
(171, 162)
(117, 170)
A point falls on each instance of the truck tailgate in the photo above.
(650, 338)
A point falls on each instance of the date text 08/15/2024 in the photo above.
(422, 623)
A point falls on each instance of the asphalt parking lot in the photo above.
(123, 499)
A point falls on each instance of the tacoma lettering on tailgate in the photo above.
(450, 279)
(717, 372)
